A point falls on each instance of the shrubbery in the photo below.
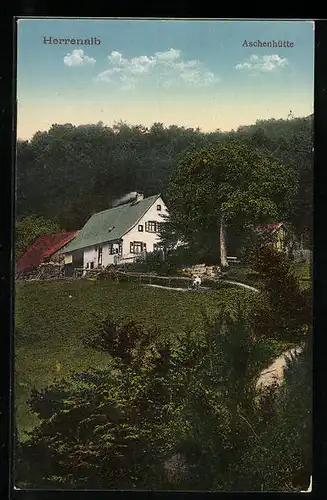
(168, 264)
(283, 309)
(181, 415)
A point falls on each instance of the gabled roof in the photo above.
(111, 224)
(45, 246)
(269, 227)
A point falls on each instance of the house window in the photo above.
(113, 249)
(100, 256)
(91, 265)
(159, 208)
(137, 247)
(157, 247)
(140, 227)
(151, 226)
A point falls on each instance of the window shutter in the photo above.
(131, 247)
(146, 226)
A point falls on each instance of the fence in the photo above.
(167, 281)
(132, 277)
(153, 279)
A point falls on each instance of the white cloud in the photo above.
(170, 55)
(265, 63)
(166, 68)
(78, 58)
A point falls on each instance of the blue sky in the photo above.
(191, 73)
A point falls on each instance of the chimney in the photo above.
(139, 196)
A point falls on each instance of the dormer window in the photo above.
(159, 208)
(140, 227)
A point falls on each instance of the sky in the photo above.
(192, 73)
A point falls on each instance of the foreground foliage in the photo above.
(284, 308)
(170, 415)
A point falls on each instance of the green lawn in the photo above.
(244, 275)
(303, 272)
(50, 325)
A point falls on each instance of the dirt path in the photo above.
(243, 285)
(202, 288)
(275, 372)
(167, 287)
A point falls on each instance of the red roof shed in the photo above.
(43, 247)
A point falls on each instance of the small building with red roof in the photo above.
(44, 249)
(279, 235)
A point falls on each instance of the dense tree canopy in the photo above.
(231, 180)
(69, 172)
(29, 229)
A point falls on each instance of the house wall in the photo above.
(107, 257)
(143, 236)
(90, 254)
(68, 258)
(280, 239)
(55, 257)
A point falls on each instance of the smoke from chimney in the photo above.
(133, 195)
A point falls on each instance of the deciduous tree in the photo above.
(226, 185)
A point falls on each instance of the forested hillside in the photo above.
(69, 172)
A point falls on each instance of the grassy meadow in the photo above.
(52, 317)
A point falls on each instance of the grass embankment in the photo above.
(50, 326)
(303, 273)
(244, 275)
(249, 277)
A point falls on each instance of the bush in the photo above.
(168, 264)
(171, 416)
(283, 309)
(282, 454)
(120, 427)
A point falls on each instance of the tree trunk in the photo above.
(223, 246)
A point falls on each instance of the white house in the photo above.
(118, 235)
